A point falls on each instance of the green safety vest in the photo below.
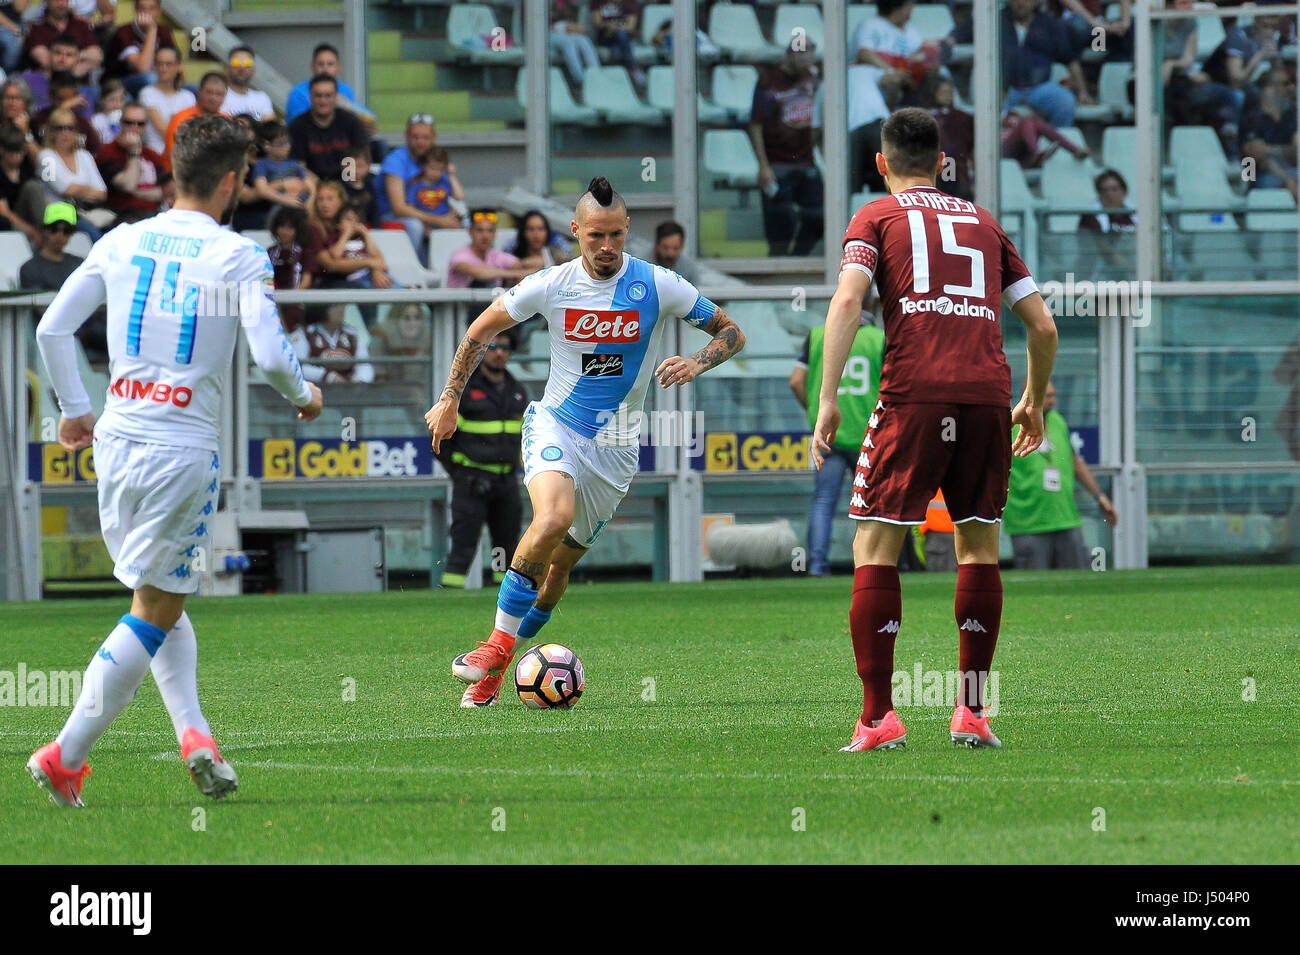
(1040, 493)
(859, 385)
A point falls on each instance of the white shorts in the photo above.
(156, 504)
(601, 473)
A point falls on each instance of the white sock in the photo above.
(175, 670)
(115, 673)
(508, 622)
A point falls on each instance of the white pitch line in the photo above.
(799, 777)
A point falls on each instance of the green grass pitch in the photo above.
(1119, 692)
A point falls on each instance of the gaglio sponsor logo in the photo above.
(159, 391)
(606, 327)
(943, 305)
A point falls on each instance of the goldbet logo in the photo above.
(757, 453)
(943, 305)
(605, 327)
(283, 459)
(59, 466)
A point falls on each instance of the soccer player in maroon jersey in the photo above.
(942, 267)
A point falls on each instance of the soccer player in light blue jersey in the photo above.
(606, 313)
(178, 287)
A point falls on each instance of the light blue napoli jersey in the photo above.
(605, 337)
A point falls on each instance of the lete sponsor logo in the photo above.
(602, 326)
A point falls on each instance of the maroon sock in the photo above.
(874, 617)
(978, 609)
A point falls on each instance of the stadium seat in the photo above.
(1018, 206)
(729, 158)
(1119, 152)
(1201, 142)
(1112, 95)
(1270, 210)
(660, 94)
(262, 237)
(468, 24)
(653, 16)
(1271, 223)
(1209, 34)
(443, 242)
(932, 20)
(608, 89)
(734, 29)
(857, 12)
(860, 199)
(733, 90)
(563, 107)
(79, 245)
(14, 251)
(1067, 184)
(799, 16)
(403, 264)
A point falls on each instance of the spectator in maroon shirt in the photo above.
(64, 57)
(780, 129)
(133, 173)
(1021, 131)
(132, 48)
(59, 19)
(293, 258)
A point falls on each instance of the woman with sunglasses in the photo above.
(536, 245)
(479, 264)
(70, 174)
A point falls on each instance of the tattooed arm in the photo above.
(727, 340)
(442, 417)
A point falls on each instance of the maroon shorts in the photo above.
(910, 450)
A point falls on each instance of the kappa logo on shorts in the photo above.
(859, 480)
(551, 453)
(601, 366)
(857, 501)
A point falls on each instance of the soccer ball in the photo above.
(550, 677)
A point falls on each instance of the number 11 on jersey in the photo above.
(188, 308)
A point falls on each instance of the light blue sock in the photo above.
(533, 621)
(514, 600)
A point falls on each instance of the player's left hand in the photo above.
(77, 433)
(828, 423)
(678, 371)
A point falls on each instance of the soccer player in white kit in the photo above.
(178, 286)
(606, 313)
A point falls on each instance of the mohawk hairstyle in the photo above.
(600, 193)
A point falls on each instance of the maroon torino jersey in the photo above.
(942, 266)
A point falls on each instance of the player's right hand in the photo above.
(828, 423)
(311, 411)
(441, 420)
(77, 433)
(1030, 419)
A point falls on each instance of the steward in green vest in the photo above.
(859, 386)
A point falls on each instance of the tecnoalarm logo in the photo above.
(73, 908)
(944, 305)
